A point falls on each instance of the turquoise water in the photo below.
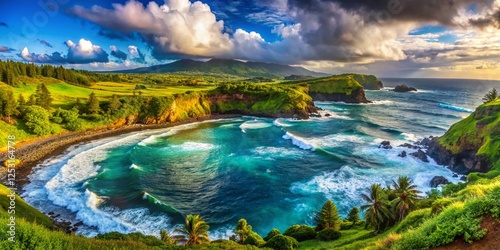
(273, 172)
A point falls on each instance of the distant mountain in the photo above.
(227, 67)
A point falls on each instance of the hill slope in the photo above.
(227, 67)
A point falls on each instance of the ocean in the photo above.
(272, 172)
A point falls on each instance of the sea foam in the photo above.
(299, 141)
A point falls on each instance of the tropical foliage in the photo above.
(194, 232)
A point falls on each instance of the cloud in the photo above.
(45, 43)
(81, 53)
(3, 24)
(118, 53)
(113, 35)
(177, 27)
(336, 33)
(136, 55)
(4, 49)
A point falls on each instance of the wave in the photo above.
(194, 146)
(133, 166)
(280, 124)
(460, 109)
(410, 137)
(299, 142)
(254, 124)
(153, 200)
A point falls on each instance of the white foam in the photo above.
(279, 123)
(277, 152)
(133, 166)
(194, 146)
(299, 141)
(460, 109)
(254, 124)
(410, 137)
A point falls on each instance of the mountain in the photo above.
(227, 67)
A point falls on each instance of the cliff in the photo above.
(342, 88)
(471, 145)
(369, 82)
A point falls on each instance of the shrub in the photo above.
(282, 242)
(301, 233)
(37, 120)
(254, 239)
(451, 188)
(271, 234)
(328, 234)
(344, 225)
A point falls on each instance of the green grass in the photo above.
(481, 130)
(341, 84)
(22, 209)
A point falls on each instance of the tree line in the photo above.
(11, 70)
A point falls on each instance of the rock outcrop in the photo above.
(403, 88)
(356, 96)
(438, 180)
(420, 155)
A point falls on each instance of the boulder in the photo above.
(408, 145)
(438, 180)
(402, 154)
(385, 145)
(420, 155)
(327, 115)
(463, 178)
(403, 88)
(455, 175)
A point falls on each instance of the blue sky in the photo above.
(333, 36)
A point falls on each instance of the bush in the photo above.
(37, 120)
(271, 234)
(282, 242)
(301, 233)
(344, 225)
(137, 237)
(254, 239)
(328, 234)
(451, 188)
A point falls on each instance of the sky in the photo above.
(388, 38)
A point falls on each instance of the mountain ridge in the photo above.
(228, 67)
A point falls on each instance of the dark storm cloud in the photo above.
(441, 11)
(490, 20)
(45, 43)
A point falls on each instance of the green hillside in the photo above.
(226, 67)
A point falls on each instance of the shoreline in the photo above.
(35, 152)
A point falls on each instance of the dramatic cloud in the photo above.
(329, 35)
(178, 27)
(81, 53)
(4, 49)
(45, 43)
(118, 53)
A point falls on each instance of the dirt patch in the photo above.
(490, 241)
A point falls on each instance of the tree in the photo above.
(9, 104)
(37, 120)
(114, 104)
(165, 237)
(21, 103)
(242, 230)
(354, 216)
(43, 97)
(32, 100)
(328, 217)
(406, 196)
(194, 232)
(377, 210)
(491, 96)
(93, 104)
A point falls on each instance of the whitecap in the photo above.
(456, 108)
(299, 141)
(254, 124)
(193, 146)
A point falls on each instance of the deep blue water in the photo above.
(274, 173)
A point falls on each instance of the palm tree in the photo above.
(406, 195)
(194, 232)
(377, 211)
(491, 96)
(166, 237)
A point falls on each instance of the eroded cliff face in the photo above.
(246, 105)
(356, 96)
(471, 145)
